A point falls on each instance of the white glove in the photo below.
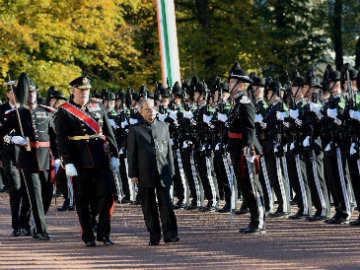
(162, 117)
(294, 114)
(57, 164)
(171, 142)
(285, 147)
(281, 115)
(115, 164)
(328, 147)
(207, 118)
(332, 113)
(112, 123)
(173, 114)
(353, 149)
(133, 121)
(19, 140)
(70, 170)
(316, 108)
(188, 114)
(276, 148)
(263, 125)
(203, 148)
(124, 123)
(292, 146)
(121, 151)
(217, 147)
(185, 144)
(222, 117)
(354, 115)
(258, 118)
(306, 142)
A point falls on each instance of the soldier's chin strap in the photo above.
(297, 91)
(237, 83)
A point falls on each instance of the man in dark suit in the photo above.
(151, 166)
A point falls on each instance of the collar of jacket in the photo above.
(30, 107)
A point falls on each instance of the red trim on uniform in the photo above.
(235, 135)
(40, 144)
(112, 208)
(83, 116)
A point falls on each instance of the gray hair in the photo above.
(142, 102)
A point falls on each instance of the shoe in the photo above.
(316, 218)
(154, 242)
(63, 208)
(254, 230)
(90, 243)
(242, 211)
(71, 208)
(135, 203)
(180, 205)
(337, 220)
(279, 214)
(125, 200)
(355, 222)
(225, 209)
(44, 236)
(171, 239)
(15, 233)
(107, 241)
(210, 209)
(34, 234)
(298, 216)
(26, 232)
(191, 207)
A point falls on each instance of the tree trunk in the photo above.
(337, 34)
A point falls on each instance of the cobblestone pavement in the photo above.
(207, 241)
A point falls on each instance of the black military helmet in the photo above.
(224, 87)
(310, 77)
(143, 90)
(297, 79)
(104, 94)
(177, 90)
(318, 83)
(258, 81)
(150, 94)
(59, 95)
(96, 94)
(120, 94)
(166, 92)
(111, 95)
(237, 73)
(352, 72)
(50, 92)
(135, 95)
(82, 82)
(194, 81)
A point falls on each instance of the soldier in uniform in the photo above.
(242, 143)
(151, 166)
(19, 201)
(85, 143)
(35, 157)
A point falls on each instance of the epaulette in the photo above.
(245, 100)
(50, 109)
(9, 111)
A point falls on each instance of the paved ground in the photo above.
(207, 242)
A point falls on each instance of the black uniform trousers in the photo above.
(300, 186)
(355, 178)
(223, 176)
(180, 182)
(204, 164)
(3, 180)
(40, 192)
(123, 177)
(151, 215)
(318, 187)
(195, 185)
(278, 181)
(337, 188)
(252, 193)
(93, 189)
(19, 199)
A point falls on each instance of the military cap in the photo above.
(317, 82)
(166, 93)
(237, 73)
(121, 94)
(177, 90)
(335, 76)
(135, 95)
(143, 90)
(310, 77)
(111, 95)
(82, 82)
(150, 94)
(96, 94)
(352, 72)
(258, 81)
(297, 79)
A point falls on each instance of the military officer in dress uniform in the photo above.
(19, 202)
(85, 142)
(151, 166)
(35, 157)
(242, 143)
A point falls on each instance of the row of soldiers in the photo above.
(306, 142)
